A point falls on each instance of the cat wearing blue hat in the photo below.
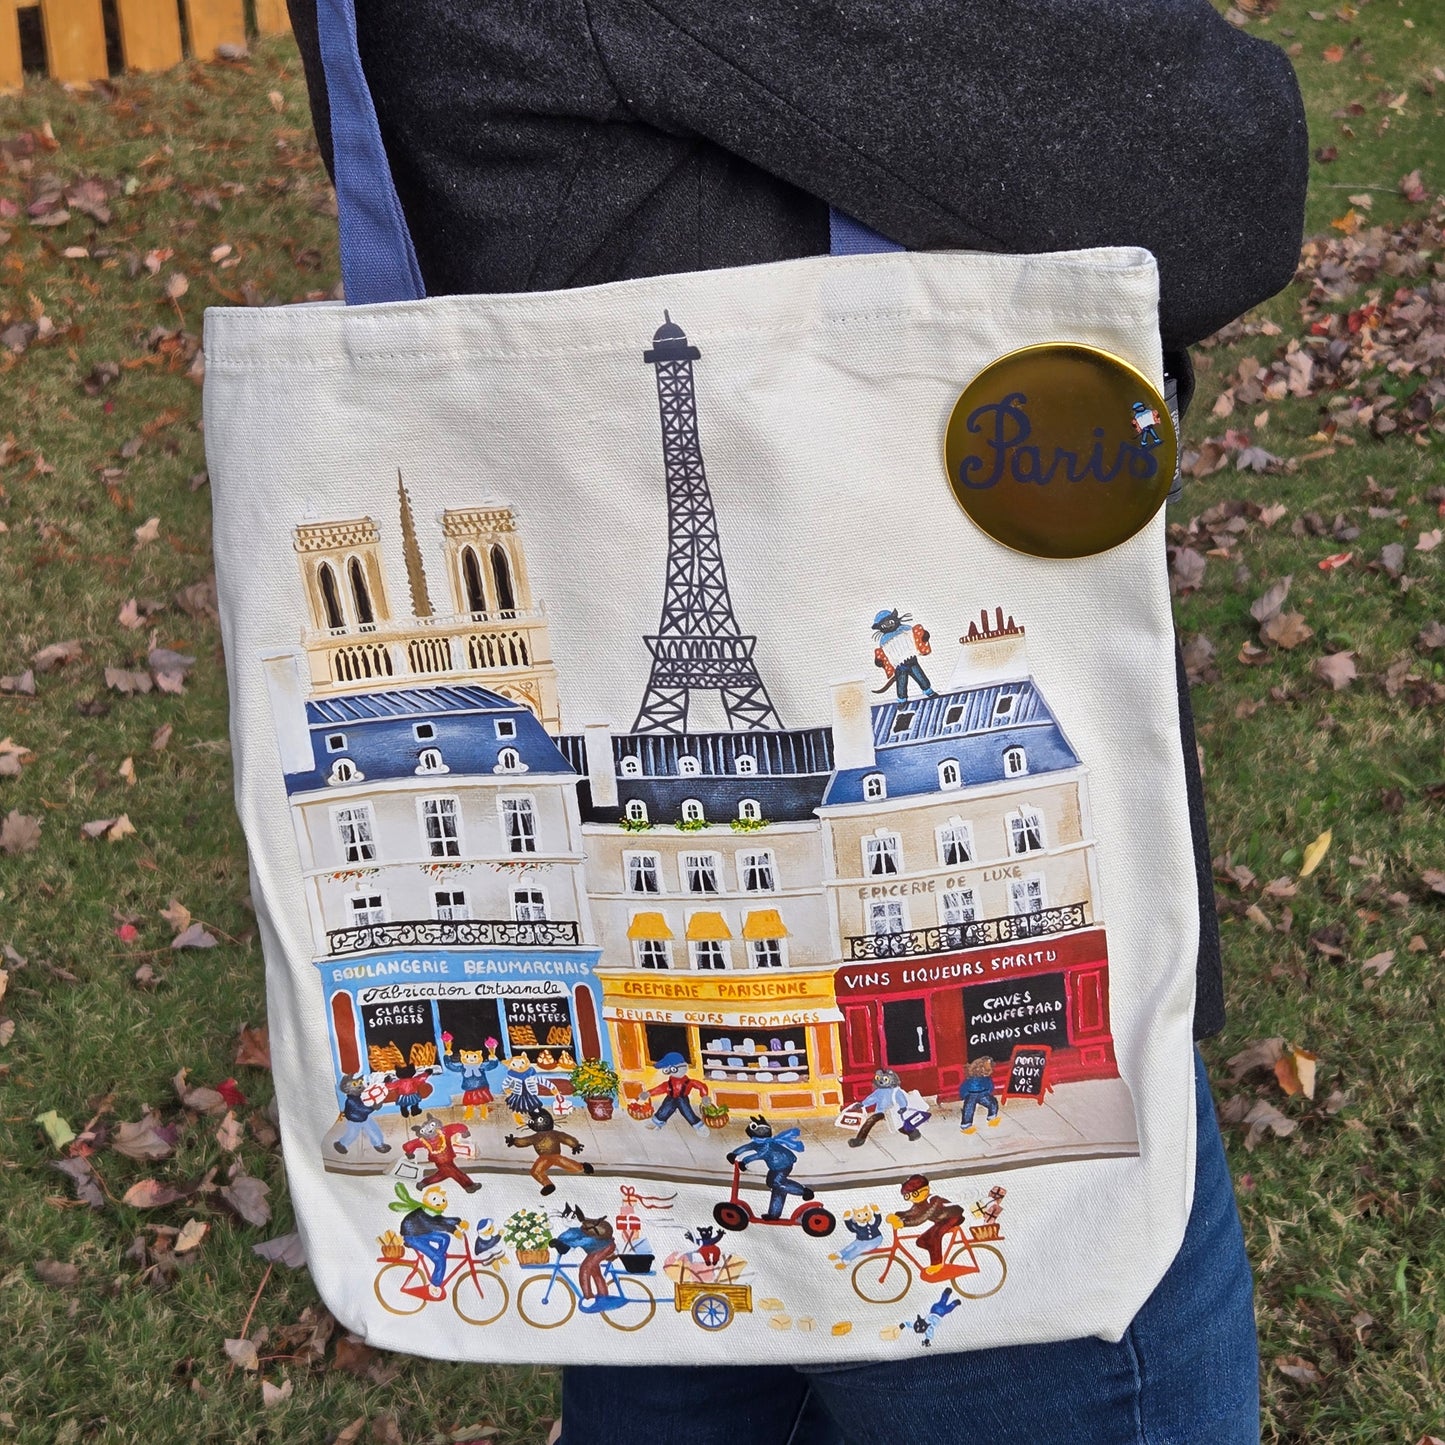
(675, 1087)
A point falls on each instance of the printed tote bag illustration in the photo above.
(710, 760)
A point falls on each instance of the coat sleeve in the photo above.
(1000, 125)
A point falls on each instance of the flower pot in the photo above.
(715, 1121)
(600, 1108)
(637, 1263)
(527, 1257)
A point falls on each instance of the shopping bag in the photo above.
(689, 676)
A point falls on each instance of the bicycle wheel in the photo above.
(546, 1301)
(712, 1312)
(640, 1307)
(480, 1297)
(882, 1279)
(991, 1269)
(390, 1279)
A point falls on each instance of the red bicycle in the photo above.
(403, 1287)
(974, 1270)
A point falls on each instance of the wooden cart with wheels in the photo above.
(712, 1306)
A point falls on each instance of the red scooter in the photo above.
(736, 1213)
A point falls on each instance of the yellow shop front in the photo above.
(766, 1043)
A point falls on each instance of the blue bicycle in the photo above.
(550, 1300)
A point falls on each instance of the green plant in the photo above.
(595, 1079)
(691, 825)
(635, 825)
(527, 1229)
(748, 825)
(714, 1111)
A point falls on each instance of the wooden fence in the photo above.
(151, 34)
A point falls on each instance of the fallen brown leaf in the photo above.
(1295, 1367)
(1287, 630)
(151, 1194)
(144, 1138)
(1267, 606)
(19, 833)
(56, 654)
(56, 1274)
(1261, 1055)
(1264, 1118)
(1337, 669)
(1380, 963)
(247, 1196)
(193, 1231)
(254, 1047)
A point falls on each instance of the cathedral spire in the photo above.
(415, 572)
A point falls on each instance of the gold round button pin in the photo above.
(1060, 450)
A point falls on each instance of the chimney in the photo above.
(601, 769)
(288, 712)
(852, 726)
(994, 650)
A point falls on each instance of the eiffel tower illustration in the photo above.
(698, 646)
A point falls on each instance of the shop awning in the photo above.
(764, 923)
(706, 927)
(649, 926)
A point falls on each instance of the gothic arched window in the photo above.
(330, 598)
(502, 576)
(472, 582)
(360, 593)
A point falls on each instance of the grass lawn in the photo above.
(123, 214)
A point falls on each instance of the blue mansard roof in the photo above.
(383, 734)
(787, 770)
(974, 728)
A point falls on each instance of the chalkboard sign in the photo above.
(535, 1025)
(1007, 1012)
(1028, 1073)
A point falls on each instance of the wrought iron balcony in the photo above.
(451, 932)
(949, 937)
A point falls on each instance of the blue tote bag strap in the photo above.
(847, 237)
(378, 260)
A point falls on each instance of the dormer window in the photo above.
(949, 775)
(954, 715)
(902, 721)
(636, 811)
(1003, 708)
(692, 811)
(749, 810)
(746, 764)
(874, 787)
(509, 760)
(689, 767)
(506, 727)
(429, 760)
(335, 742)
(343, 770)
(631, 766)
(1015, 763)
(423, 732)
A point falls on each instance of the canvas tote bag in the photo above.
(719, 903)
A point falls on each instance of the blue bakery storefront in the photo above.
(422, 1008)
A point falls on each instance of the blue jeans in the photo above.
(1185, 1373)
